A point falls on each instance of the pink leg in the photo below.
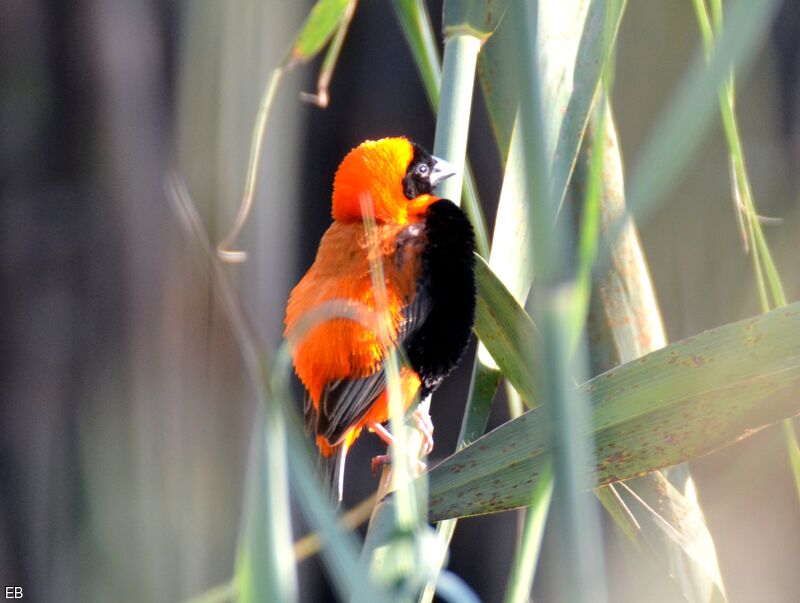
(389, 439)
(382, 433)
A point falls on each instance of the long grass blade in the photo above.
(524, 565)
(462, 45)
(770, 287)
(325, 76)
(396, 532)
(506, 330)
(450, 143)
(263, 571)
(679, 131)
(340, 553)
(416, 24)
(320, 26)
(625, 323)
(677, 403)
(574, 516)
(328, 18)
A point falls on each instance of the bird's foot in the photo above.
(424, 424)
(390, 440)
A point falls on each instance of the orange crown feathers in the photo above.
(375, 168)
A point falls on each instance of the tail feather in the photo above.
(332, 464)
(334, 473)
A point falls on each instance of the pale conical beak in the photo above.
(442, 170)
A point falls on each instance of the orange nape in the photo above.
(379, 413)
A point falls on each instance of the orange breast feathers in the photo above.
(341, 348)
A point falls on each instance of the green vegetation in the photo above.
(563, 285)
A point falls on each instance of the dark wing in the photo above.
(309, 414)
(344, 403)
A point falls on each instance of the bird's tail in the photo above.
(334, 472)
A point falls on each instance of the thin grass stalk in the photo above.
(321, 98)
(625, 323)
(407, 510)
(396, 536)
(515, 271)
(452, 125)
(525, 561)
(279, 580)
(763, 262)
(677, 134)
(579, 571)
(256, 144)
(310, 40)
(340, 554)
(267, 531)
(311, 544)
(416, 24)
(455, 105)
(450, 143)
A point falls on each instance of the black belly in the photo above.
(447, 283)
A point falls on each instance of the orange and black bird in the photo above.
(427, 247)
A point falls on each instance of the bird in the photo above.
(426, 248)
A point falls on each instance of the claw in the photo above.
(379, 461)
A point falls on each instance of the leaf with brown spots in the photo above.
(646, 415)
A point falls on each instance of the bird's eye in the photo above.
(422, 169)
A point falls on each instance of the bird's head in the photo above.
(395, 173)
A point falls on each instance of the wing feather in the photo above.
(345, 402)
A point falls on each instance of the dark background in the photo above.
(124, 414)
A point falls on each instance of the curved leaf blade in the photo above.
(506, 330)
(678, 403)
(322, 22)
(625, 323)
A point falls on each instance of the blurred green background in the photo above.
(125, 418)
